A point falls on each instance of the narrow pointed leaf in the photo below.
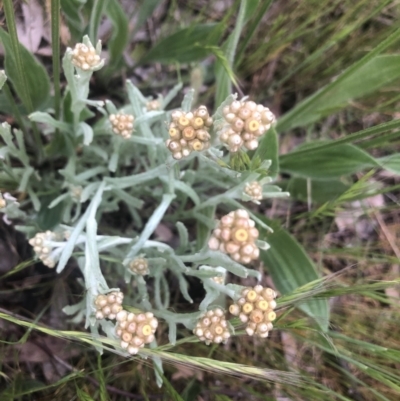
(268, 150)
(223, 80)
(290, 267)
(36, 77)
(187, 45)
(119, 38)
(362, 78)
(328, 163)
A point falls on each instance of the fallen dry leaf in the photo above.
(185, 372)
(34, 353)
(30, 29)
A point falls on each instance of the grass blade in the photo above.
(291, 119)
(224, 84)
(12, 29)
(290, 268)
(55, 45)
(95, 17)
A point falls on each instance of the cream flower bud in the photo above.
(245, 122)
(153, 105)
(236, 235)
(219, 280)
(188, 132)
(254, 190)
(139, 266)
(212, 327)
(109, 306)
(122, 124)
(85, 57)
(135, 330)
(43, 247)
(256, 308)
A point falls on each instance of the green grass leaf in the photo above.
(268, 149)
(290, 267)
(71, 11)
(47, 218)
(391, 163)
(169, 388)
(223, 80)
(3, 78)
(364, 77)
(37, 89)
(253, 26)
(119, 39)
(186, 45)
(82, 394)
(146, 9)
(55, 47)
(319, 191)
(95, 19)
(326, 163)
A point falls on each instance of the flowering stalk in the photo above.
(78, 84)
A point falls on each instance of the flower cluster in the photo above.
(135, 330)
(212, 327)
(139, 266)
(236, 235)
(85, 57)
(256, 308)
(246, 121)
(3, 203)
(219, 279)
(153, 105)
(107, 306)
(76, 192)
(122, 124)
(189, 132)
(254, 190)
(43, 244)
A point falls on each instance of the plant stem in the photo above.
(14, 106)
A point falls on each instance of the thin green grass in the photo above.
(357, 358)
